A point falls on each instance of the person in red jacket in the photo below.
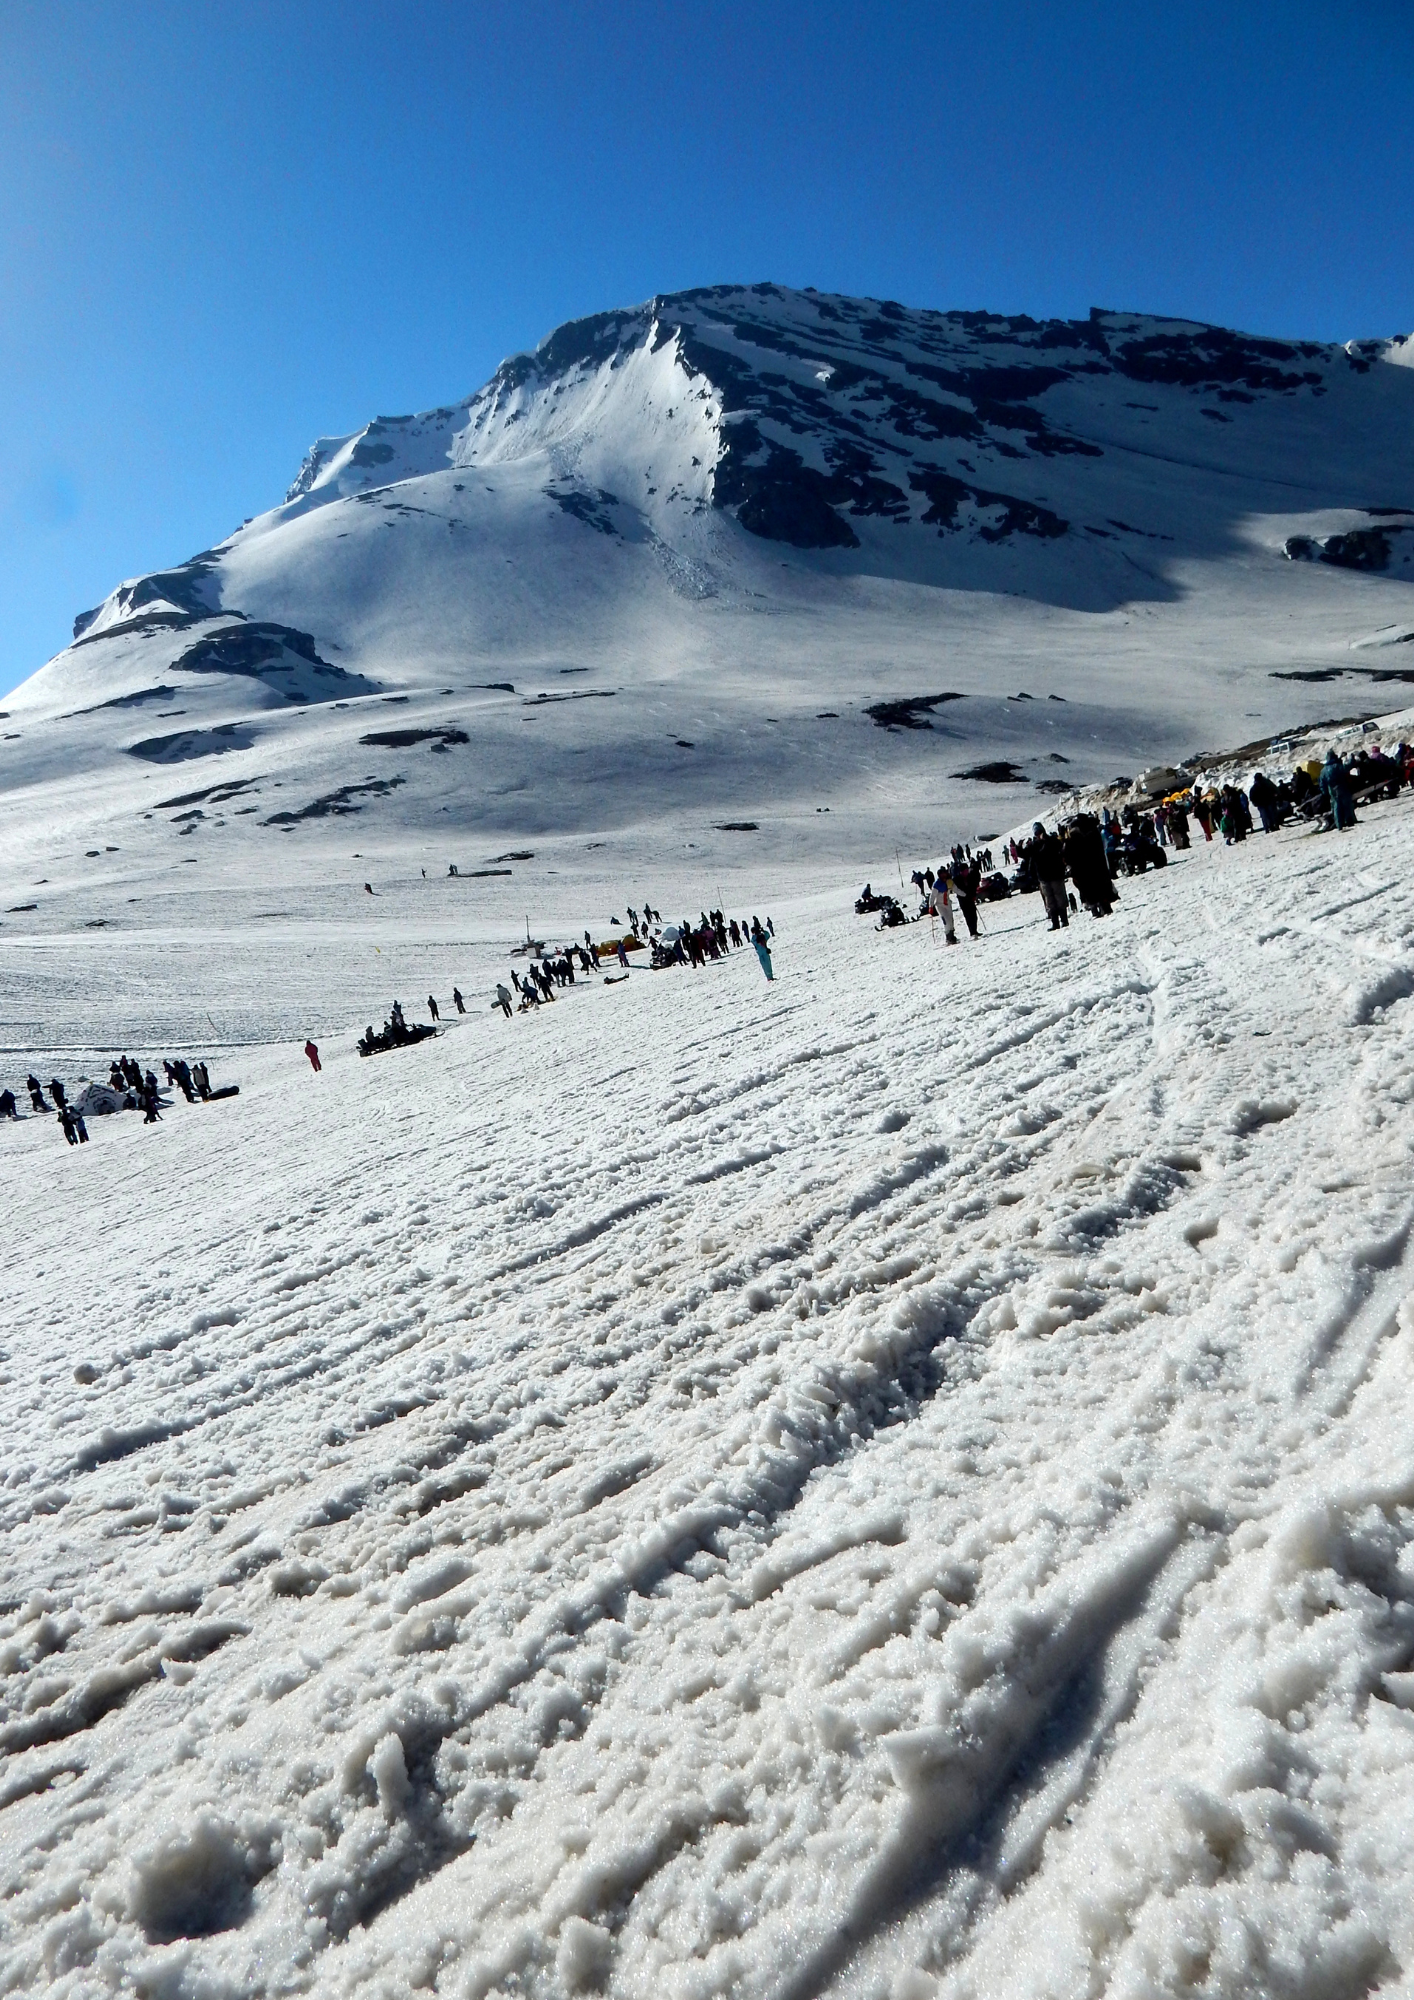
(311, 1049)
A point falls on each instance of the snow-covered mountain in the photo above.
(898, 1481)
(751, 550)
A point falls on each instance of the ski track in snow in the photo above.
(899, 1482)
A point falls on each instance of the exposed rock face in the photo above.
(1358, 548)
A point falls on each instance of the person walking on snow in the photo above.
(940, 903)
(311, 1049)
(1048, 860)
(503, 999)
(432, 1008)
(763, 953)
(457, 1000)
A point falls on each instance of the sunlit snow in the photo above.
(895, 1482)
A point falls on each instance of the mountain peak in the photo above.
(808, 412)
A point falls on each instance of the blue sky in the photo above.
(226, 230)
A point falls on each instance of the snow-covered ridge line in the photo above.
(989, 369)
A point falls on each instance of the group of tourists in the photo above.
(1325, 792)
(129, 1087)
(711, 939)
(397, 1032)
(1093, 850)
(71, 1119)
(1042, 863)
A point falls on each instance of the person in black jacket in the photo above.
(967, 878)
(1089, 870)
(1048, 860)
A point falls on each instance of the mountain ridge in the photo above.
(753, 520)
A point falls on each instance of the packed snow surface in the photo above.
(895, 1482)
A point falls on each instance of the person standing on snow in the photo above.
(1336, 785)
(967, 879)
(457, 1000)
(763, 953)
(1048, 860)
(1085, 858)
(1263, 795)
(432, 1008)
(940, 903)
(503, 998)
(311, 1049)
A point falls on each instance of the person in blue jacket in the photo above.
(763, 947)
(1336, 786)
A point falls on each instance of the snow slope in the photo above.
(658, 573)
(896, 1482)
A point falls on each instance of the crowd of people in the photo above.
(712, 938)
(1092, 850)
(128, 1088)
(1074, 865)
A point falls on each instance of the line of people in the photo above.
(710, 939)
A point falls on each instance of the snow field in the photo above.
(898, 1482)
